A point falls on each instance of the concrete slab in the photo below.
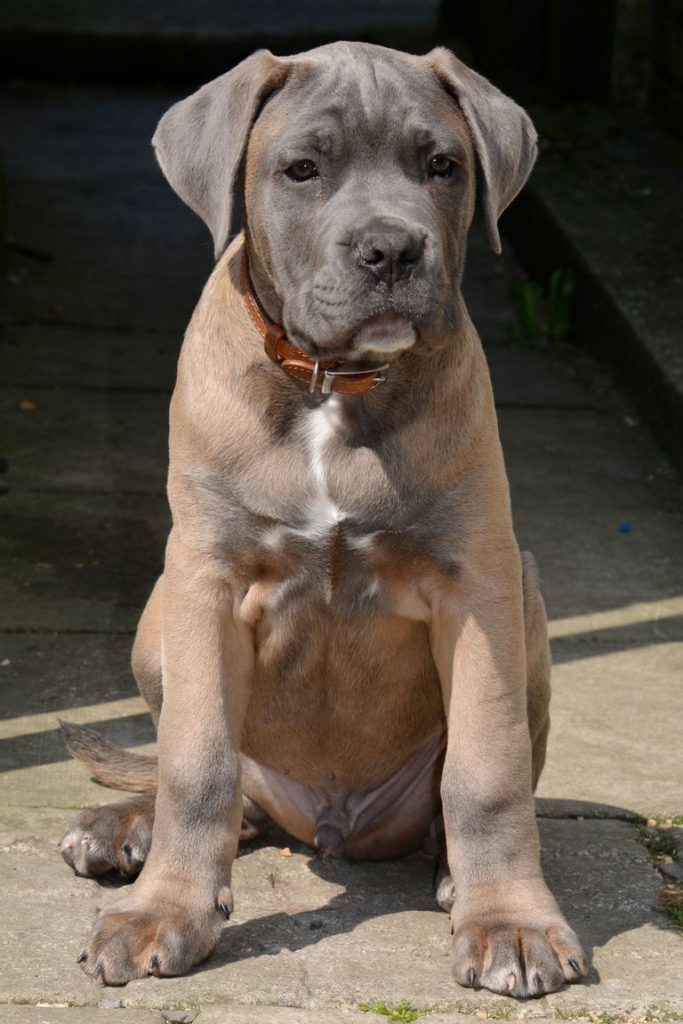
(48, 1014)
(575, 478)
(211, 1015)
(47, 674)
(121, 287)
(55, 357)
(529, 379)
(37, 771)
(291, 1015)
(603, 744)
(82, 678)
(106, 219)
(81, 440)
(79, 562)
(321, 935)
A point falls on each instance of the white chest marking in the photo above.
(322, 513)
(321, 427)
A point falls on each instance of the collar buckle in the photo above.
(352, 371)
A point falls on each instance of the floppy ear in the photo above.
(503, 135)
(200, 141)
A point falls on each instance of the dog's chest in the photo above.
(349, 545)
(324, 552)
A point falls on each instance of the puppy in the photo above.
(345, 638)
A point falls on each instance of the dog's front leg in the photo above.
(508, 932)
(172, 916)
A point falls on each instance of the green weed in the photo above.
(670, 903)
(403, 1011)
(498, 1013)
(675, 914)
(543, 318)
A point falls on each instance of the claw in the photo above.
(82, 957)
(127, 849)
(574, 964)
(99, 970)
(154, 964)
(471, 977)
(224, 901)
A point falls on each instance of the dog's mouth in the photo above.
(387, 334)
(380, 337)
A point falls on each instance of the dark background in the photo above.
(607, 51)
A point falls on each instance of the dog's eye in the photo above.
(441, 166)
(302, 170)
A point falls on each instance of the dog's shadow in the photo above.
(371, 890)
(594, 863)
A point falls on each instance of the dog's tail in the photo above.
(111, 765)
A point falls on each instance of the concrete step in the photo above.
(604, 201)
(126, 39)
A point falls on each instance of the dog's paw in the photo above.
(114, 838)
(517, 961)
(163, 939)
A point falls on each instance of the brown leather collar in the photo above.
(341, 376)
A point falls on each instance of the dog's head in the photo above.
(360, 167)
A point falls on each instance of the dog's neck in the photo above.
(259, 281)
(326, 377)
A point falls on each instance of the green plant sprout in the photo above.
(543, 319)
(403, 1011)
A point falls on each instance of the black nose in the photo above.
(388, 249)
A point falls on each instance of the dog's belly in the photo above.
(385, 820)
(344, 733)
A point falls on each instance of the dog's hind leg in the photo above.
(146, 654)
(115, 838)
(537, 665)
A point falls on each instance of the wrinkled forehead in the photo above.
(368, 98)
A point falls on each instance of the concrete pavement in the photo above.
(93, 329)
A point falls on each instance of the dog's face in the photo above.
(360, 173)
(360, 184)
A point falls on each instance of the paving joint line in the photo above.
(98, 388)
(30, 631)
(79, 325)
(86, 492)
(552, 406)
